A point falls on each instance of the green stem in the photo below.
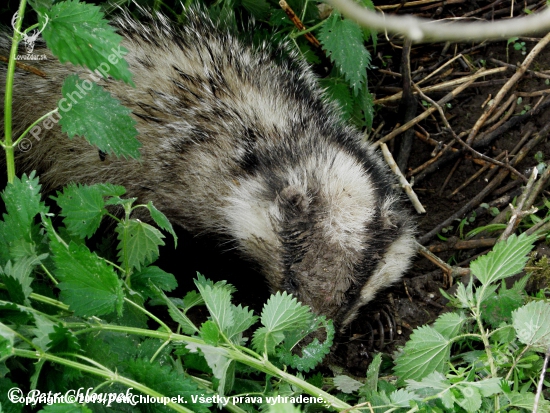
(106, 374)
(297, 34)
(49, 274)
(8, 145)
(143, 310)
(36, 122)
(259, 363)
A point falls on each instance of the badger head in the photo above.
(324, 229)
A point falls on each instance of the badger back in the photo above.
(238, 142)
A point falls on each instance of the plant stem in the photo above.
(106, 374)
(8, 145)
(259, 363)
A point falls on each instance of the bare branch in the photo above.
(423, 30)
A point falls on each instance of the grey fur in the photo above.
(238, 142)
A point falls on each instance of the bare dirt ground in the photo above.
(510, 117)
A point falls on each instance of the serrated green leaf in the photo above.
(258, 8)
(314, 352)
(88, 110)
(210, 333)
(218, 301)
(532, 324)
(7, 336)
(284, 312)
(17, 277)
(192, 299)
(152, 274)
(371, 383)
(346, 384)
(17, 230)
(77, 32)
(499, 309)
(83, 207)
(339, 92)
(218, 360)
(138, 243)
(487, 387)
(506, 259)
(433, 383)
(179, 317)
(11, 313)
(402, 398)
(449, 324)
(168, 382)
(527, 401)
(161, 220)
(22, 200)
(426, 351)
(265, 341)
(471, 402)
(88, 284)
(281, 312)
(342, 39)
(243, 319)
(62, 340)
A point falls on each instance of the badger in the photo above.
(238, 141)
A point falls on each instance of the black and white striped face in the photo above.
(326, 228)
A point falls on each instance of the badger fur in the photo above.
(239, 142)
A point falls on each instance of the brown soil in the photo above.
(417, 300)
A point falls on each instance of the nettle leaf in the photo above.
(17, 230)
(7, 336)
(152, 274)
(339, 92)
(402, 398)
(314, 352)
(218, 301)
(470, 400)
(22, 200)
(90, 111)
(17, 277)
(449, 324)
(77, 32)
(433, 383)
(217, 359)
(83, 207)
(175, 313)
(210, 333)
(281, 312)
(506, 259)
(426, 351)
(342, 39)
(499, 309)
(526, 401)
(138, 243)
(243, 319)
(532, 324)
(12, 313)
(346, 384)
(62, 340)
(161, 220)
(88, 284)
(371, 383)
(166, 381)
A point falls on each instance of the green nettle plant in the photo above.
(102, 330)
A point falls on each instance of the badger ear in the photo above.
(293, 199)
